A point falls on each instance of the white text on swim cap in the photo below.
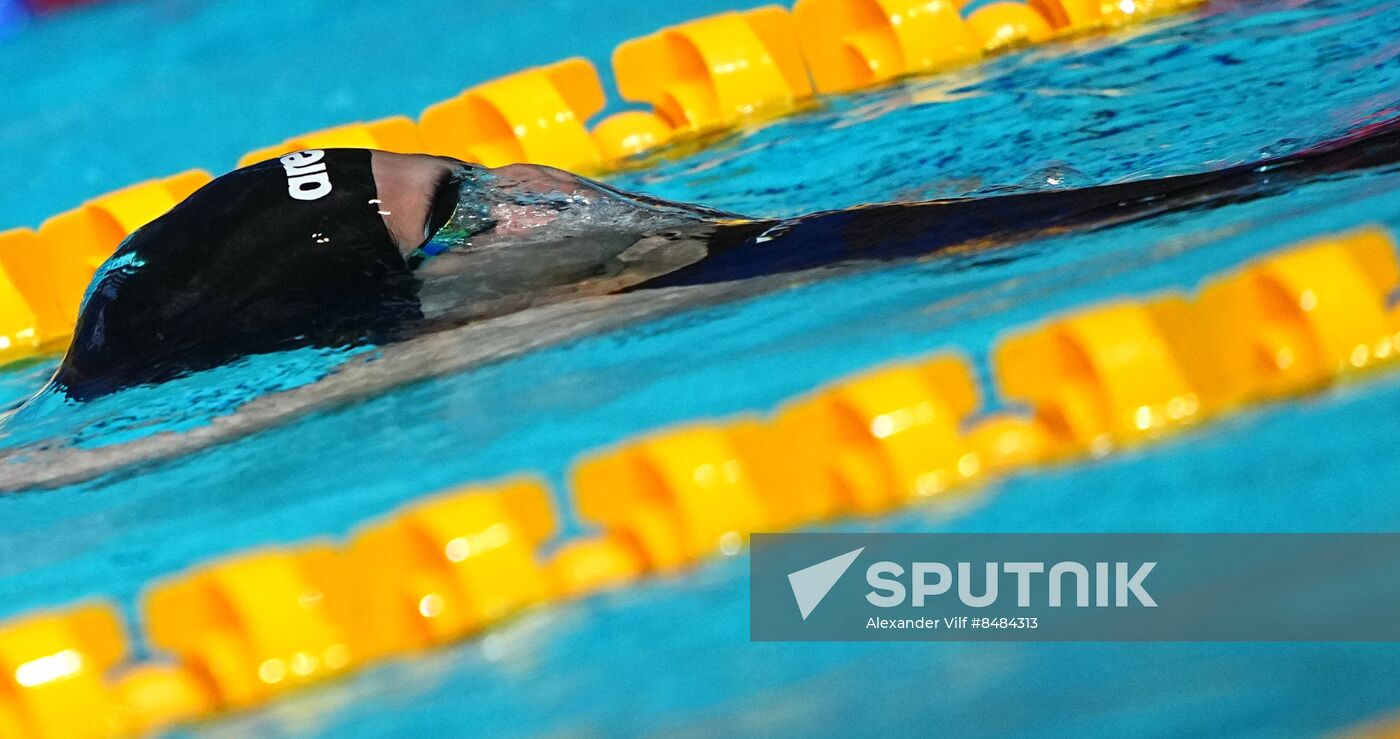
(306, 175)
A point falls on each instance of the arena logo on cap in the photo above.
(306, 174)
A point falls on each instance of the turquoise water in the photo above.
(1242, 80)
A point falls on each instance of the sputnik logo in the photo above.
(811, 584)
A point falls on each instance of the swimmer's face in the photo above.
(478, 238)
(409, 185)
(419, 194)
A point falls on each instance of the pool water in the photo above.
(1233, 83)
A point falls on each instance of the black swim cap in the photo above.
(286, 253)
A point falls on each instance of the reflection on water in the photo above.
(43, 416)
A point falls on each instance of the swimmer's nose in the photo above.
(410, 186)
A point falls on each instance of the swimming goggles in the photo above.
(461, 211)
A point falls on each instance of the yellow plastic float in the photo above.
(714, 71)
(770, 457)
(154, 696)
(446, 568)
(1006, 442)
(1070, 16)
(590, 564)
(869, 443)
(850, 44)
(1103, 376)
(397, 134)
(679, 495)
(252, 625)
(1121, 12)
(629, 133)
(25, 305)
(536, 116)
(1008, 25)
(1297, 320)
(53, 674)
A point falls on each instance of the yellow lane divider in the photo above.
(712, 73)
(249, 627)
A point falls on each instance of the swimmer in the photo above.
(341, 247)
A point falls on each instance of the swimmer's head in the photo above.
(285, 252)
(338, 247)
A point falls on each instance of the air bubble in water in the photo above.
(1057, 177)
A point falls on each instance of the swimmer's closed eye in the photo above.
(444, 203)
